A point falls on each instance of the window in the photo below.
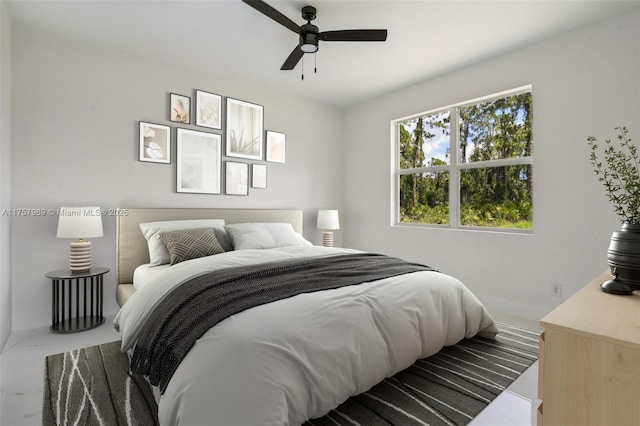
(469, 165)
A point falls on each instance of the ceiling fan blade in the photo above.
(293, 59)
(272, 13)
(354, 35)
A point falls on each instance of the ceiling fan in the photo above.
(309, 33)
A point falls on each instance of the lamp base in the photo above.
(79, 256)
(327, 239)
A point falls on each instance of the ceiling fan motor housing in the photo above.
(309, 38)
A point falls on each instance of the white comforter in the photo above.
(298, 358)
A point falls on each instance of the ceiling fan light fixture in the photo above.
(309, 47)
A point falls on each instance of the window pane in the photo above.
(497, 197)
(424, 198)
(424, 141)
(497, 129)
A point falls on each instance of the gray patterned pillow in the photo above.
(186, 244)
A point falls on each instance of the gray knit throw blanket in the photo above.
(188, 311)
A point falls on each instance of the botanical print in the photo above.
(244, 129)
(259, 176)
(208, 110)
(180, 106)
(275, 146)
(154, 141)
(199, 159)
(237, 178)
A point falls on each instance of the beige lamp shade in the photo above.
(327, 221)
(79, 223)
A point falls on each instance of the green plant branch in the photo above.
(626, 142)
(620, 174)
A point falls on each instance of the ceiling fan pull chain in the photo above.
(302, 68)
(315, 62)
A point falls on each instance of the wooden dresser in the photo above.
(589, 370)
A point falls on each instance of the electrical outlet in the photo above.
(556, 289)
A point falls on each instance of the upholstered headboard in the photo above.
(131, 246)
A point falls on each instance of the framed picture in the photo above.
(199, 158)
(237, 178)
(179, 108)
(244, 129)
(155, 143)
(258, 176)
(275, 146)
(208, 110)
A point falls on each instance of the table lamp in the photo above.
(79, 223)
(327, 221)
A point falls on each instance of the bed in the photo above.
(131, 245)
(258, 335)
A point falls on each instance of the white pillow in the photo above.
(245, 236)
(158, 253)
(303, 241)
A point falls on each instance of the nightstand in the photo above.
(70, 291)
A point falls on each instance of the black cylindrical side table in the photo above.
(65, 302)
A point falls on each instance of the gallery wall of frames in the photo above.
(232, 133)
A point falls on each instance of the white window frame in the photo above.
(453, 167)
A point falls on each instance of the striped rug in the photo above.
(448, 388)
(94, 386)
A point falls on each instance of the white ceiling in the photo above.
(229, 39)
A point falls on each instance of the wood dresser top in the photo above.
(596, 314)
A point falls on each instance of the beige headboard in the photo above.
(131, 246)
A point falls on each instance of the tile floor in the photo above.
(518, 405)
(22, 368)
(22, 372)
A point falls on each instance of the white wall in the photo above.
(74, 141)
(5, 174)
(75, 127)
(585, 82)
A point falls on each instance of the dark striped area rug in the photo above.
(448, 388)
(94, 386)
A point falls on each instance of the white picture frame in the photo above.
(154, 143)
(199, 159)
(245, 124)
(236, 178)
(208, 110)
(276, 146)
(179, 108)
(258, 175)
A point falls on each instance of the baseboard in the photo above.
(535, 313)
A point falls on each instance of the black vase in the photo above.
(623, 257)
